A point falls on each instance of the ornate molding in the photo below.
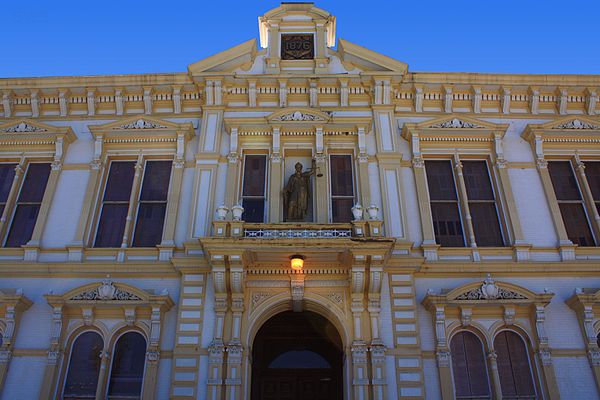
(298, 116)
(24, 127)
(455, 123)
(489, 290)
(107, 291)
(576, 124)
(141, 124)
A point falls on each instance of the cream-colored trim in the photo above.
(12, 305)
(512, 306)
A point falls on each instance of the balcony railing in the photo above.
(266, 231)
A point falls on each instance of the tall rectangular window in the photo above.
(445, 211)
(592, 172)
(115, 204)
(153, 204)
(152, 207)
(342, 188)
(254, 188)
(7, 175)
(570, 203)
(482, 204)
(28, 204)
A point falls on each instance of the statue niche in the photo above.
(296, 194)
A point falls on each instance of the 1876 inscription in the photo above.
(297, 47)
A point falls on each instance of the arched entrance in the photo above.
(297, 356)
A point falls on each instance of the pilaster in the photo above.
(186, 354)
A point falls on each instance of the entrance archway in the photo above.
(297, 356)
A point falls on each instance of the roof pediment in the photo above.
(369, 60)
(226, 61)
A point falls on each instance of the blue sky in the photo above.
(50, 38)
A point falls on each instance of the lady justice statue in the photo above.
(296, 193)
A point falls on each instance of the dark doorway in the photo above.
(297, 356)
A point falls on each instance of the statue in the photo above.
(296, 193)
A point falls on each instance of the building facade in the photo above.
(300, 218)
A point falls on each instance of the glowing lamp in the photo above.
(297, 262)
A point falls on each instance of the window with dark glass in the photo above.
(153, 204)
(468, 367)
(342, 188)
(516, 378)
(570, 202)
(254, 187)
(28, 204)
(592, 172)
(482, 204)
(115, 204)
(7, 175)
(84, 367)
(127, 372)
(445, 211)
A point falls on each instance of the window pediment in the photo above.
(110, 293)
(298, 115)
(454, 128)
(565, 132)
(488, 292)
(21, 132)
(141, 128)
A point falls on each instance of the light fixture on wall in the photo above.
(297, 262)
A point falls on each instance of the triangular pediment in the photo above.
(296, 115)
(579, 123)
(29, 129)
(226, 61)
(368, 60)
(456, 122)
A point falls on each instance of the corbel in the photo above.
(534, 99)
(477, 96)
(147, 99)
(509, 314)
(119, 101)
(344, 92)
(440, 327)
(499, 150)
(358, 287)
(319, 141)
(129, 313)
(362, 143)
(91, 101)
(538, 147)
(219, 282)
(313, 93)
(591, 99)
(63, 103)
(283, 93)
(505, 102)
(233, 155)
(466, 314)
(378, 91)
(387, 91)
(563, 99)
(276, 143)
(35, 103)
(252, 92)
(209, 92)
(98, 148)
(87, 313)
(155, 320)
(419, 96)
(448, 97)
(218, 88)
(179, 161)
(7, 103)
(176, 98)
(540, 328)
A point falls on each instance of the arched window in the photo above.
(516, 379)
(468, 367)
(127, 370)
(84, 366)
